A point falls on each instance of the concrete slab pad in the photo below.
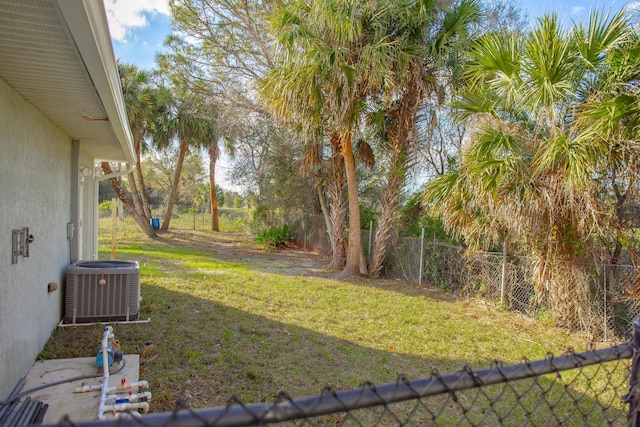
(61, 399)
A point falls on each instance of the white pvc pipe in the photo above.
(121, 387)
(120, 407)
(105, 366)
(84, 388)
(128, 386)
(137, 401)
(144, 396)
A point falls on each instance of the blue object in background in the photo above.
(155, 223)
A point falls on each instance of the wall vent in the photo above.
(98, 291)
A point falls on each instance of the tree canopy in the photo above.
(547, 161)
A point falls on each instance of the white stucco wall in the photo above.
(35, 187)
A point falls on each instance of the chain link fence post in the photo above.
(421, 258)
(633, 397)
(370, 240)
(503, 273)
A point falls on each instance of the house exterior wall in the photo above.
(36, 174)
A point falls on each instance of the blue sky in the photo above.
(142, 43)
(139, 27)
(572, 10)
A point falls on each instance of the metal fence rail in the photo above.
(606, 309)
(506, 280)
(573, 389)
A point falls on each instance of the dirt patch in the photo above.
(290, 260)
(241, 248)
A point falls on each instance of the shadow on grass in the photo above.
(206, 352)
(232, 248)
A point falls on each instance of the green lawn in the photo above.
(229, 319)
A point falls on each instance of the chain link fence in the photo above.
(184, 217)
(597, 387)
(307, 231)
(508, 281)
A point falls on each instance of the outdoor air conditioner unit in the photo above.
(102, 291)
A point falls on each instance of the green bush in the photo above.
(105, 206)
(368, 216)
(232, 223)
(413, 217)
(274, 236)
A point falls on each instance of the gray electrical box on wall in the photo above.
(71, 228)
(20, 240)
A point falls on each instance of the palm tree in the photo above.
(336, 54)
(214, 154)
(182, 119)
(427, 43)
(317, 82)
(532, 170)
(144, 225)
(611, 114)
(222, 121)
(330, 186)
(138, 96)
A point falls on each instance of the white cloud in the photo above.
(125, 14)
(575, 10)
(633, 6)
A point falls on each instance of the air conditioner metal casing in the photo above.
(99, 291)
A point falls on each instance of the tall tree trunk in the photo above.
(356, 264)
(337, 206)
(144, 225)
(403, 118)
(146, 208)
(135, 196)
(214, 152)
(621, 197)
(389, 204)
(174, 187)
(325, 213)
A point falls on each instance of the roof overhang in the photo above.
(58, 55)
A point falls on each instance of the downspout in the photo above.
(95, 205)
(75, 206)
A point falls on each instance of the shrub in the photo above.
(274, 236)
(232, 223)
(105, 206)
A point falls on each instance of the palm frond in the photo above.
(600, 35)
(474, 100)
(570, 158)
(365, 153)
(550, 65)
